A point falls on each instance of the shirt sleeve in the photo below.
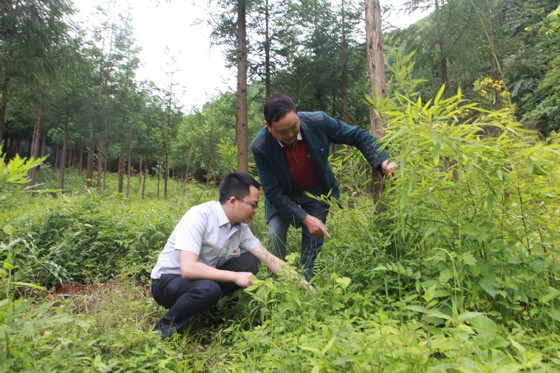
(340, 132)
(248, 239)
(190, 231)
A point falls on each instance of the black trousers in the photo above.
(185, 299)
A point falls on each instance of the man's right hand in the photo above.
(243, 279)
(315, 226)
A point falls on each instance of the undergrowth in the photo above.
(454, 269)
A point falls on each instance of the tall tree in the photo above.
(377, 78)
(344, 64)
(114, 46)
(376, 64)
(444, 59)
(71, 106)
(31, 33)
(242, 132)
(231, 31)
(171, 110)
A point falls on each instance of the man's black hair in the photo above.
(236, 184)
(277, 106)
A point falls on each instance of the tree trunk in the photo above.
(242, 131)
(158, 178)
(90, 160)
(80, 159)
(129, 168)
(267, 46)
(344, 68)
(187, 175)
(495, 68)
(42, 153)
(140, 170)
(120, 171)
(63, 152)
(377, 79)
(100, 144)
(56, 163)
(376, 64)
(144, 180)
(444, 61)
(36, 138)
(165, 172)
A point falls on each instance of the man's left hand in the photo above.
(389, 167)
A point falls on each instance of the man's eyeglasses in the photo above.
(253, 205)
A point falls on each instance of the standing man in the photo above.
(291, 154)
(211, 253)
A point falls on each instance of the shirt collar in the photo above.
(298, 138)
(223, 220)
(221, 215)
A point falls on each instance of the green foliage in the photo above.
(20, 319)
(455, 268)
(14, 177)
(87, 239)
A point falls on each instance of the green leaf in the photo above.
(489, 285)
(554, 313)
(468, 258)
(438, 314)
(311, 349)
(343, 282)
(416, 308)
(552, 294)
(328, 346)
(469, 315)
(29, 285)
(8, 229)
(483, 324)
(478, 229)
(466, 329)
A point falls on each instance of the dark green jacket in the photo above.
(319, 131)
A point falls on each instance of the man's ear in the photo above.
(267, 125)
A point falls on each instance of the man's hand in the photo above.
(389, 167)
(243, 279)
(316, 226)
(310, 289)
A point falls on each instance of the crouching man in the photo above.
(211, 253)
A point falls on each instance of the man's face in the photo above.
(285, 129)
(248, 205)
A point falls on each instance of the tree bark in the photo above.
(377, 79)
(63, 152)
(36, 138)
(376, 63)
(444, 61)
(165, 171)
(242, 131)
(144, 180)
(90, 160)
(129, 168)
(102, 120)
(42, 153)
(267, 46)
(344, 68)
(120, 171)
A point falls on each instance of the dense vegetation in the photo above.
(455, 268)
